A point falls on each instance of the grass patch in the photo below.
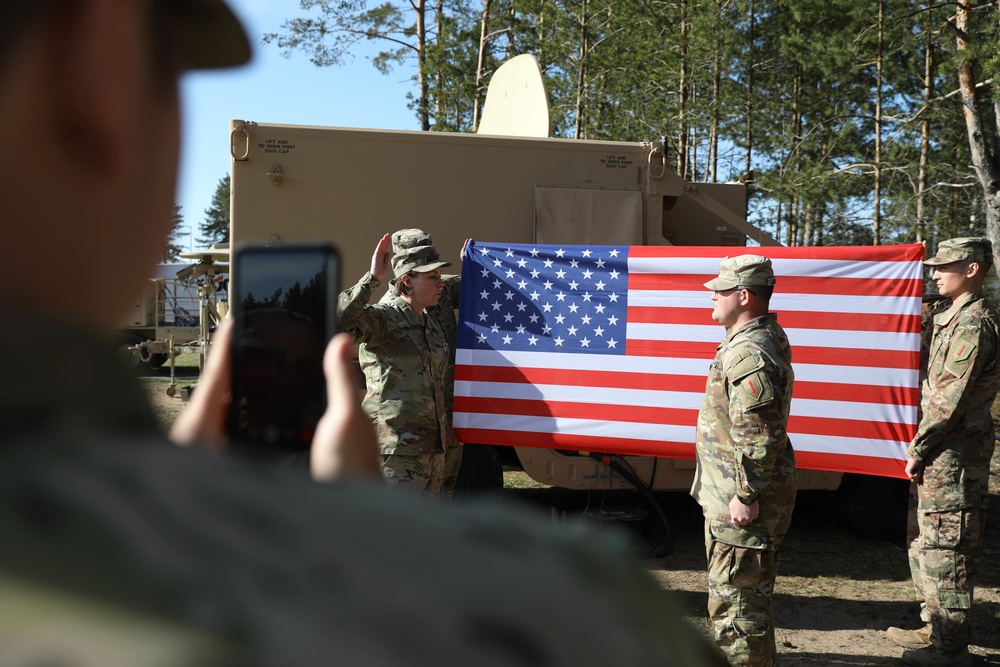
(518, 479)
(189, 360)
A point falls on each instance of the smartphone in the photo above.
(284, 303)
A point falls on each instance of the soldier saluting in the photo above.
(745, 479)
(407, 356)
(949, 456)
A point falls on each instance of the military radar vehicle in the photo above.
(508, 182)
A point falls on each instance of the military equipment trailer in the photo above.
(509, 183)
(350, 186)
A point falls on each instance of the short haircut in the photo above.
(762, 292)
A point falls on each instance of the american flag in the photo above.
(607, 348)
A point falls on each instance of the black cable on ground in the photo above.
(668, 534)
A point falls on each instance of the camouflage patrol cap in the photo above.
(964, 249)
(419, 259)
(209, 36)
(742, 271)
(409, 238)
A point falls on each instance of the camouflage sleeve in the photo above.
(942, 406)
(756, 416)
(452, 288)
(353, 313)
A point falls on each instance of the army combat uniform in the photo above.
(444, 312)
(954, 441)
(743, 450)
(405, 359)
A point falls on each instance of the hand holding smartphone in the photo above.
(284, 311)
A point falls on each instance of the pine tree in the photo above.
(174, 246)
(215, 227)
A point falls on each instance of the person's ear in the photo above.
(93, 73)
(973, 269)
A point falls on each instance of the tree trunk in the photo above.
(749, 111)
(693, 141)
(581, 76)
(777, 218)
(483, 24)
(713, 133)
(807, 231)
(791, 238)
(980, 136)
(795, 162)
(682, 133)
(877, 212)
(438, 74)
(925, 128)
(423, 112)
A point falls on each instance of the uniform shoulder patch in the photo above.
(741, 363)
(747, 377)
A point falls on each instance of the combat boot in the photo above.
(932, 656)
(910, 638)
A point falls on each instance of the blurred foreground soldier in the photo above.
(745, 478)
(122, 549)
(949, 458)
(408, 357)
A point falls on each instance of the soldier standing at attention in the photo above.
(745, 478)
(407, 359)
(949, 458)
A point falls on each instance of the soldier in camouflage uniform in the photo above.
(745, 478)
(444, 312)
(407, 361)
(950, 455)
(932, 304)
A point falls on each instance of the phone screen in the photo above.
(284, 310)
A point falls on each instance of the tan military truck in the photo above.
(350, 186)
(176, 310)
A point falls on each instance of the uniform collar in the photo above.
(942, 319)
(755, 323)
(408, 313)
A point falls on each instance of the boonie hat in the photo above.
(963, 249)
(419, 259)
(409, 238)
(742, 271)
(209, 36)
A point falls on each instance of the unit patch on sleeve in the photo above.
(961, 355)
(748, 379)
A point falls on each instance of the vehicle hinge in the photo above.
(276, 174)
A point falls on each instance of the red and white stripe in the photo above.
(852, 315)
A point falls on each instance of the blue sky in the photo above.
(275, 89)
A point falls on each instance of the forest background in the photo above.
(862, 123)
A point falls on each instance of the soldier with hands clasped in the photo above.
(949, 457)
(745, 478)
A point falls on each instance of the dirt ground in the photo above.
(836, 592)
